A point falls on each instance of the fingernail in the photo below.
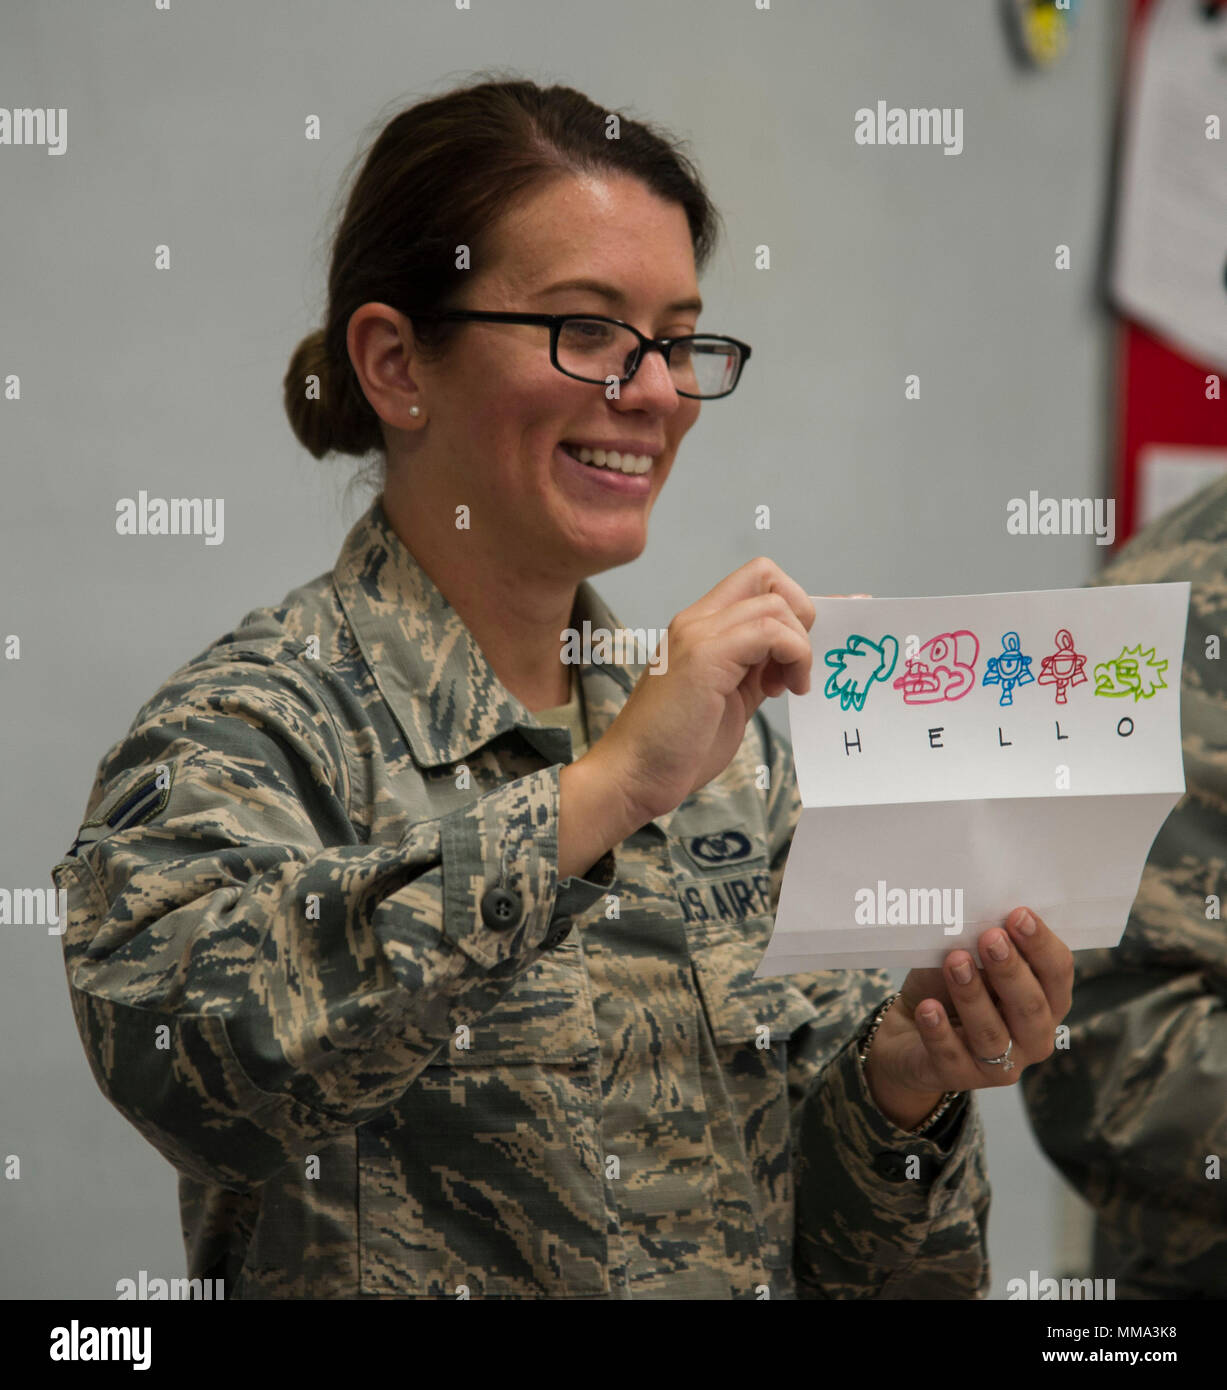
(928, 1017)
(997, 948)
(962, 972)
(1023, 921)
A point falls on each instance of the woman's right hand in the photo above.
(744, 640)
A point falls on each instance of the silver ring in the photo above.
(1002, 1061)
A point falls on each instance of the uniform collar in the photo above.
(435, 678)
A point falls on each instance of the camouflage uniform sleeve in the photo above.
(248, 978)
(1132, 1104)
(864, 1227)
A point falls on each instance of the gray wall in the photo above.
(186, 128)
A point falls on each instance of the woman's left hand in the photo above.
(1014, 1002)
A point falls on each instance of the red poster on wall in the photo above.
(1172, 418)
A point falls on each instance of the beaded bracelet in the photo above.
(947, 1099)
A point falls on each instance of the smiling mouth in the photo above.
(632, 464)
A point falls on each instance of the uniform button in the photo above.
(890, 1165)
(501, 908)
(556, 937)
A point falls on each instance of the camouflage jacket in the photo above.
(1134, 1111)
(374, 1078)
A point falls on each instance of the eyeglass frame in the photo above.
(554, 323)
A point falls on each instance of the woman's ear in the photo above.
(380, 343)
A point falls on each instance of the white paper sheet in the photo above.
(963, 755)
(1169, 249)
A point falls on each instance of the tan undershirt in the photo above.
(569, 716)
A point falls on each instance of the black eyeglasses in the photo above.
(600, 350)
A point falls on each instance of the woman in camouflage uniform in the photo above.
(427, 958)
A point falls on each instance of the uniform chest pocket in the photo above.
(732, 891)
(722, 875)
(752, 1023)
(488, 1175)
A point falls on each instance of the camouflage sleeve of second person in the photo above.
(246, 976)
(865, 1227)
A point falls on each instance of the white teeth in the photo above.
(601, 458)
